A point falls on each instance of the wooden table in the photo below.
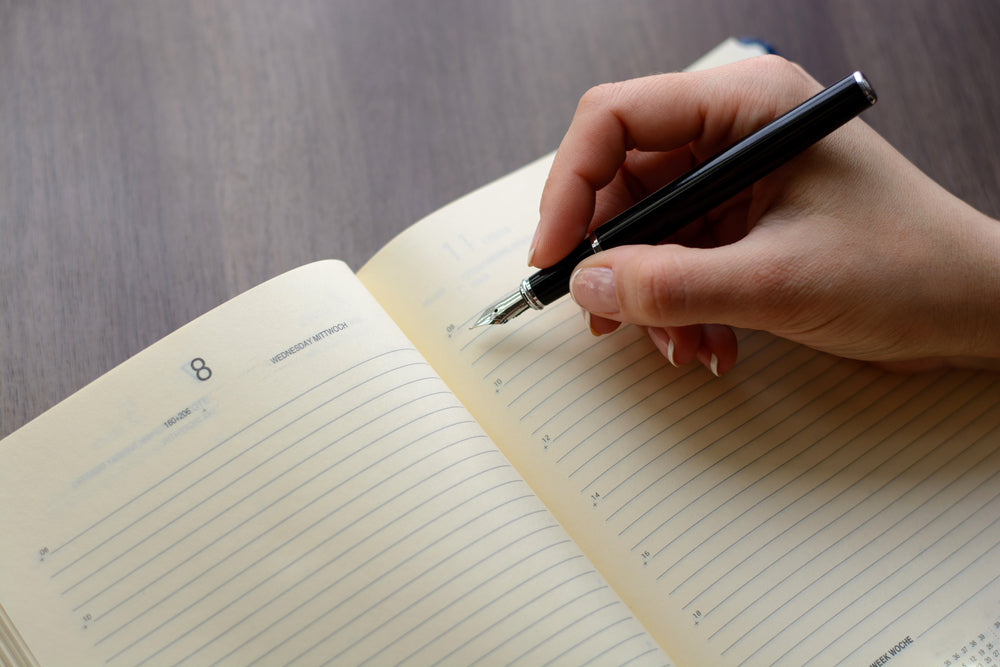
(157, 158)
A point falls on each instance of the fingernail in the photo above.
(586, 318)
(663, 342)
(713, 365)
(531, 250)
(594, 289)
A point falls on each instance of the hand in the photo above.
(848, 248)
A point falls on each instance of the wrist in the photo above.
(981, 302)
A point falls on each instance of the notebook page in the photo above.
(801, 510)
(286, 481)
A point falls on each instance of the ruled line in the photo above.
(656, 390)
(858, 405)
(303, 555)
(397, 591)
(411, 558)
(735, 493)
(530, 342)
(590, 389)
(154, 551)
(782, 535)
(593, 635)
(701, 407)
(234, 481)
(708, 407)
(950, 580)
(286, 518)
(511, 568)
(758, 442)
(924, 599)
(613, 355)
(560, 567)
(572, 623)
(107, 516)
(516, 376)
(917, 579)
(775, 583)
(599, 656)
(227, 462)
(771, 515)
(956, 478)
(701, 384)
(514, 612)
(509, 638)
(516, 326)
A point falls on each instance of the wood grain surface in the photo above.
(157, 158)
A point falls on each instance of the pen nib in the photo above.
(503, 310)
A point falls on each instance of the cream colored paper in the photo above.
(286, 481)
(803, 510)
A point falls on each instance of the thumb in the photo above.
(672, 285)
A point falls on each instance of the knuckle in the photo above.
(792, 75)
(601, 96)
(778, 66)
(656, 292)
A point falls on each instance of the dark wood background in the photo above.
(157, 158)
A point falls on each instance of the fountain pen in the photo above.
(690, 196)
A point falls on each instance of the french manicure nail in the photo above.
(594, 289)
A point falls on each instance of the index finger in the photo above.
(699, 111)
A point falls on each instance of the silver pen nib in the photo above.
(510, 306)
(503, 310)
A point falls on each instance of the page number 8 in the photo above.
(201, 371)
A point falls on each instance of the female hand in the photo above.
(848, 248)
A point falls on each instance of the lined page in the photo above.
(803, 510)
(286, 481)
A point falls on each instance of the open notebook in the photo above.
(333, 469)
